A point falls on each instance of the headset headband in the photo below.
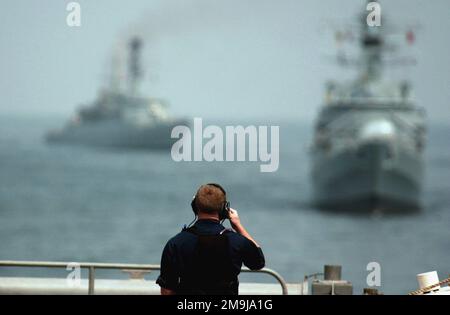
(220, 187)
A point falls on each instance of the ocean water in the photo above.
(78, 204)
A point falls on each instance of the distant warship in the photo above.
(369, 139)
(119, 118)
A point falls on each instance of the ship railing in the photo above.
(138, 268)
(340, 125)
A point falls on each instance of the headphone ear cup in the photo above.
(224, 212)
(193, 206)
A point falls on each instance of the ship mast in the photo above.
(134, 65)
(372, 46)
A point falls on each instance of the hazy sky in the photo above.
(260, 59)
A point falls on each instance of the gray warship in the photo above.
(121, 117)
(367, 152)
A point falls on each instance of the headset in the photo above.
(224, 211)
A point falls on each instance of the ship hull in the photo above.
(117, 134)
(371, 176)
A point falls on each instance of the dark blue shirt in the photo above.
(180, 249)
